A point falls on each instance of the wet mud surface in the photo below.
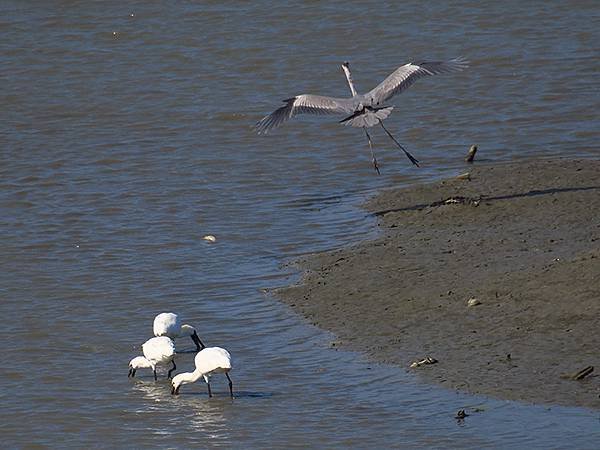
(523, 239)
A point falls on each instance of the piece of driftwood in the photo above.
(580, 375)
(426, 360)
(458, 200)
(471, 154)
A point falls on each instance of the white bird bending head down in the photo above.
(208, 361)
(158, 351)
(139, 362)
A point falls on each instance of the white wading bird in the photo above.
(365, 110)
(208, 361)
(168, 324)
(158, 351)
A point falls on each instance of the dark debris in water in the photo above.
(461, 414)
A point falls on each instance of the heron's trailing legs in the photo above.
(413, 160)
(372, 153)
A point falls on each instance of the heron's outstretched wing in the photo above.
(407, 74)
(301, 104)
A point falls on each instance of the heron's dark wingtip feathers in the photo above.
(441, 67)
(257, 127)
(459, 63)
(461, 60)
(261, 126)
(274, 119)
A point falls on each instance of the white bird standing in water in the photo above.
(208, 361)
(168, 324)
(158, 351)
(365, 110)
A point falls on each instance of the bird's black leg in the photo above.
(413, 160)
(170, 371)
(209, 392)
(155, 377)
(230, 385)
(372, 153)
(131, 373)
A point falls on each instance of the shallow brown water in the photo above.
(125, 137)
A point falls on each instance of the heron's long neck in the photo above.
(349, 78)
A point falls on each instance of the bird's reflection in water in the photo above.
(153, 391)
(208, 417)
(204, 420)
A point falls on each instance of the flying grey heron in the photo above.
(365, 110)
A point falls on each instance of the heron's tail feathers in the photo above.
(367, 117)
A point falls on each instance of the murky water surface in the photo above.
(125, 137)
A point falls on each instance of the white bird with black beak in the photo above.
(158, 351)
(209, 361)
(168, 324)
(365, 110)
